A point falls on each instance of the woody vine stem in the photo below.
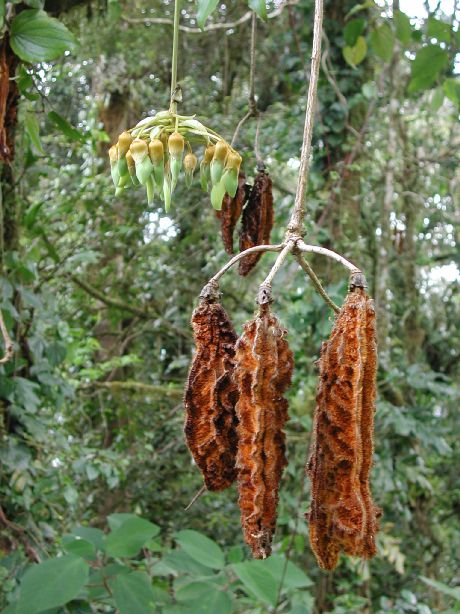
(293, 242)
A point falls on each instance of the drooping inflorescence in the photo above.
(343, 516)
(158, 148)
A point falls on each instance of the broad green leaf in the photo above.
(437, 99)
(52, 584)
(2, 13)
(205, 8)
(352, 30)
(428, 63)
(79, 547)
(37, 37)
(403, 27)
(92, 535)
(235, 554)
(451, 89)
(133, 593)
(294, 577)
(440, 30)
(63, 125)
(360, 7)
(130, 537)
(356, 54)
(204, 598)
(201, 548)
(259, 7)
(116, 520)
(443, 588)
(257, 581)
(32, 129)
(382, 41)
(176, 562)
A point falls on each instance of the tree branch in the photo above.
(316, 282)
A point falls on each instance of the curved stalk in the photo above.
(173, 104)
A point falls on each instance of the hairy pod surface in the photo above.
(210, 397)
(231, 213)
(257, 222)
(342, 515)
(263, 374)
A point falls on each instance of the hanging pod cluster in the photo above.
(236, 412)
(159, 148)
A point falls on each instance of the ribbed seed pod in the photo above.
(210, 397)
(231, 212)
(342, 515)
(263, 373)
(257, 222)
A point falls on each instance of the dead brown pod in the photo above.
(343, 516)
(257, 221)
(263, 374)
(210, 396)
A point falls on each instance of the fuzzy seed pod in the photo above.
(263, 374)
(231, 212)
(176, 144)
(210, 397)
(342, 515)
(257, 221)
(124, 142)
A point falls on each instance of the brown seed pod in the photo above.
(231, 213)
(257, 222)
(263, 373)
(342, 515)
(210, 397)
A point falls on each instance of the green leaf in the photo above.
(116, 520)
(451, 89)
(257, 581)
(437, 99)
(403, 27)
(294, 577)
(52, 584)
(130, 537)
(205, 8)
(356, 54)
(133, 593)
(353, 29)
(2, 13)
(36, 37)
(439, 29)
(442, 588)
(259, 7)
(204, 598)
(360, 7)
(32, 129)
(63, 125)
(201, 548)
(428, 63)
(89, 534)
(382, 41)
(79, 547)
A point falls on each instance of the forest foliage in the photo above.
(97, 293)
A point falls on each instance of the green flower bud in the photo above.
(167, 193)
(233, 161)
(218, 161)
(139, 150)
(124, 141)
(131, 168)
(209, 154)
(113, 157)
(230, 181)
(205, 175)
(143, 170)
(176, 144)
(176, 165)
(150, 190)
(190, 162)
(156, 152)
(217, 195)
(158, 175)
(123, 167)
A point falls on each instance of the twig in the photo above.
(235, 259)
(316, 249)
(316, 282)
(228, 25)
(252, 112)
(265, 289)
(259, 158)
(201, 492)
(9, 347)
(295, 225)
